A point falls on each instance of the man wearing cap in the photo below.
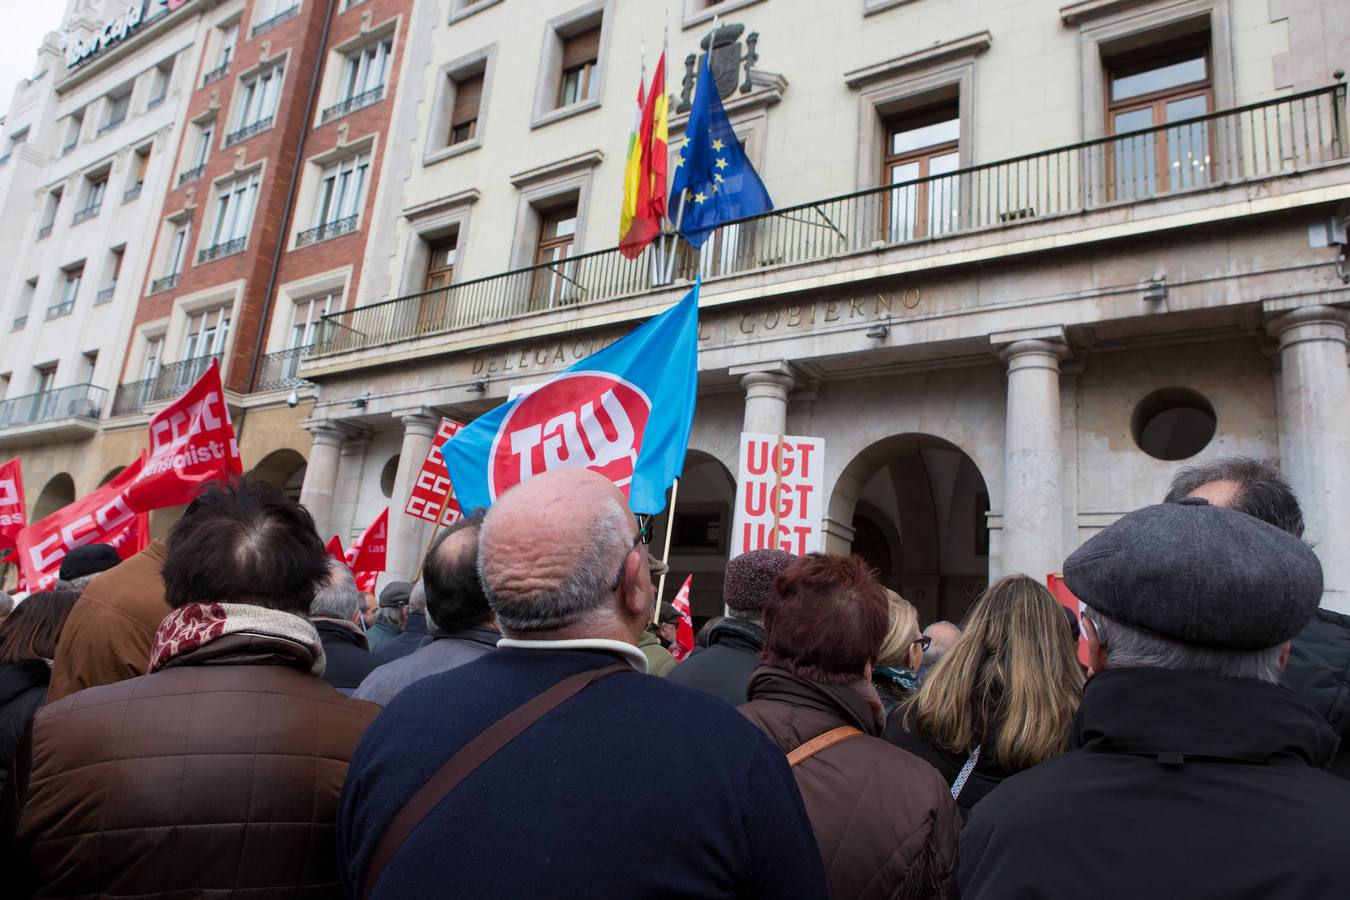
(655, 639)
(1191, 772)
(723, 670)
(393, 612)
(83, 563)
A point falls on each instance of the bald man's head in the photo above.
(944, 635)
(557, 551)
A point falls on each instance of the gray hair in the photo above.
(6, 603)
(337, 598)
(417, 600)
(1131, 646)
(581, 595)
(76, 584)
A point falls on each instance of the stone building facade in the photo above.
(1027, 259)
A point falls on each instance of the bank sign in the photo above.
(118, 29)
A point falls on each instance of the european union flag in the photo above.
(722, 184)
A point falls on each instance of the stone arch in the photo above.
(703, 514)
(283, 468)
(926, 495)
(56, 493)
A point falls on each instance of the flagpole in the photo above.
(665, 554)
(435, 529)
(679, 215)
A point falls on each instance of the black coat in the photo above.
(413, 634)
(986, 775)
(23, 689)
(348, 661)
(724, 668)
(1176, 785)
(1319, 672)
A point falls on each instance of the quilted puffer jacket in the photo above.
(216, 777)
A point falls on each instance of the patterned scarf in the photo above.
(194, 625)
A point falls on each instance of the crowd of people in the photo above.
(225, 714)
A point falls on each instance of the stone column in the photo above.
(347, 494)
(1314, 410)
(766, 392)
(321, 473)
(407, 535)
(1033, 504)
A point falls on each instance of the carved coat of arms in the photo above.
(728, 61)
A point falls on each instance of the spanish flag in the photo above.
(644, 176)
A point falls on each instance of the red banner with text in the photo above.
(12, 510)
(366, 556)
(431, 491)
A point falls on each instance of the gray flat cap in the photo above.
(1199, 574)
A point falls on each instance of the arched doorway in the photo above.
(917, 507)
(284, 469)
(56, 493)
(700, 540)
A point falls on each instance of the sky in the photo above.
(26, 21)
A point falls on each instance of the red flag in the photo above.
(649, 155)
(684, 633)
(102, 517)
(191, 442)
(335, 550)
(366, 556)
(1066, 598)
(12, 510)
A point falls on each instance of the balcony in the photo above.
(73, 410)
(352, 104)
(45, 231)
(325, 231)
(105, 295)
(216, 251)
(171, 381)
(60, 309)
(268, 24)
(167, 283)
(248, 131)
(1234, 147)
(133, 192)
(191, 175)
(281, 370)
(216, 74)
(88, 212)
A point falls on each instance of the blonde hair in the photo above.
(904, 628)
(1013, 674)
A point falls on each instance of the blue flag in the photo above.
(722, 184)
(624, 412)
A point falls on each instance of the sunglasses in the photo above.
(925, 642)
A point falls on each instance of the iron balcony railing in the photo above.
(216, 251)
(352, 104)
(105, 295)
(87, 213)
(76, 401)
(45, 231)
(167, 283)
(248, 131)
(216, 74)
(171, 381)
(269, 24)
(60, 309)
(282, 369)
(191, 174)
(325, 231)
(1255, 141)
(132, 192)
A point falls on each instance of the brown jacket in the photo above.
(216, 777)
(884, 819)
(107, 637)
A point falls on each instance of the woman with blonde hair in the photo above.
(901, 653)
(1002, 699)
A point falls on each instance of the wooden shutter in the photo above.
(468, 94)
(581, 48)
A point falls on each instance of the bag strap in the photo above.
(470, 757)
(964, 775)
(821, 742)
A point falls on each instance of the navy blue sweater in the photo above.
(632, 788)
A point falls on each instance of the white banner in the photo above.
(779, 494)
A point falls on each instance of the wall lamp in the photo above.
(1156, 291)
(478, 387)
(880, 331)
(359, 402)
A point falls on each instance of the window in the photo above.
(228, 38)
(74, 123)
(308, 315)
(178, 245)
(342, 187)
(25, 304)
(365, 69)
(464, 116)
(46, 379)
(49, 214)
(206, 335)
(114, 272)
(921, 146)
(234, 210)
(140, 164)
(154, 349)
(70, 289)
(258, 100)
(434, 305)
(557, 232)
(95, 187)
(1154, 89)
(580, 54)
(159, 83)
(117, 110)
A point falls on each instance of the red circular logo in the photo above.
(582, 420)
